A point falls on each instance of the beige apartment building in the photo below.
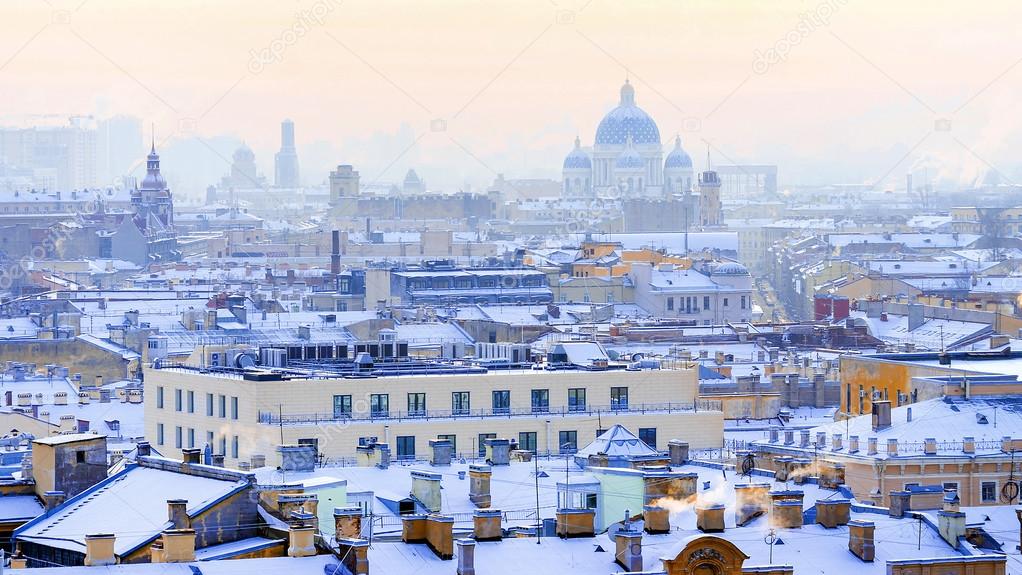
(240, 414)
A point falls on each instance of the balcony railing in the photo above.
(273, 418)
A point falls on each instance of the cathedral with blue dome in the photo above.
(627, 159)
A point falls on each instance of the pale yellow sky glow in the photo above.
(855, 98)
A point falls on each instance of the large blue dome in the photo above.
(627, 120)
(578, 159)
(678, 158)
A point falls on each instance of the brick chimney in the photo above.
(486, 525)
(678, 451)
(83, 398)
(892, 446)
(498, 451)
(774, 434)
(628, 552)
(99, 550)
(354, 554)
(930, 446)
(258, 460)
(301, 535)
(656, 520)
(821, 439)
(750, 501)
(143, 449)
(60, 398)
(426, 489)
(710, 517)
(969, 445)
(191, 455)
(860, 539)
(479, 485)
(440, 452)
(440, 535)
(178, 546)
(177, 513)
(871, 446)
(836, 442)
(881, 415)
(901, 503)
(54, 499)
(575, 523)
(466, 551)
(832, 513)
(786, 509)
(347, 523)
(804, 438)
(783, 468)
(951, 520)
(853, 444)
(297, 457)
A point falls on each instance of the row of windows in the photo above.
(461, 402)
(690, 304)
(567, 441)
(185, 401)
(987, 489)
(186, 438)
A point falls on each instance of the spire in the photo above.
(578, 142)
(677, 141)
(152, 133)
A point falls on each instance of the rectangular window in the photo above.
(223, 445)
(725, 302)
(988, 491)
(178, 437)
(567, 441)
(342, 406)
(482, 442)
(670, 304)
(191, 402)
(619, 398)
(743, 302)
(950, 486)
(406, 447)
(540, 400)
(416, 404)
(706, 302)
(379, 405)
(577, 399)
(648, 436)
(234, 447)
(222, 404)
(191, 437)
(178, 403)
(159, 397)
(159, 434)
(460, 403)
(209, 405)
(234, 407)
(209, 439)
(527, 441)
(449, 437)
(502, 401)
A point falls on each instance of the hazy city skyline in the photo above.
(832, 91)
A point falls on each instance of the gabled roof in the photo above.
(617, 442)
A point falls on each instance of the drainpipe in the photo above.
(547, 438)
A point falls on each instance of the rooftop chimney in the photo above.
(335, 253)
(192, 455)
(53, 499)
(300, 458)
(99, 550)
(486, 525)
(143, 449)
(498, 451)
(355, 555)
(786, 509)
(258, 460)
(853, 444)
(178, 546)
(440, 452)
(628, 553)
(860, 539)
(750, 501)
(347, 523)
(466, 549)
(301, 535)
(426, 489)
(950, 519)
(177, 513)
(678, 451)
(881, 415)
(832, 513)
(575, 523)
(656, 520)
(479, 485)
(901, 503)
(710, 517)
(871, 446)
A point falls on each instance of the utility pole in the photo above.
(539, 523)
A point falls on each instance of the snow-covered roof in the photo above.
(617, 442)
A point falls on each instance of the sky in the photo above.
(833, 91)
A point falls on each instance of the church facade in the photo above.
(626, 159)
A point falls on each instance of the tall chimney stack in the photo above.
(335, 253)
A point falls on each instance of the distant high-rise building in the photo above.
(65, 154)
(118, 140)
(286, 161)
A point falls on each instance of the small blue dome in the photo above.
(629, 160)
(627, 120)
(578, 159)
(678, 158)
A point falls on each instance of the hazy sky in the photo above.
(837, 90)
